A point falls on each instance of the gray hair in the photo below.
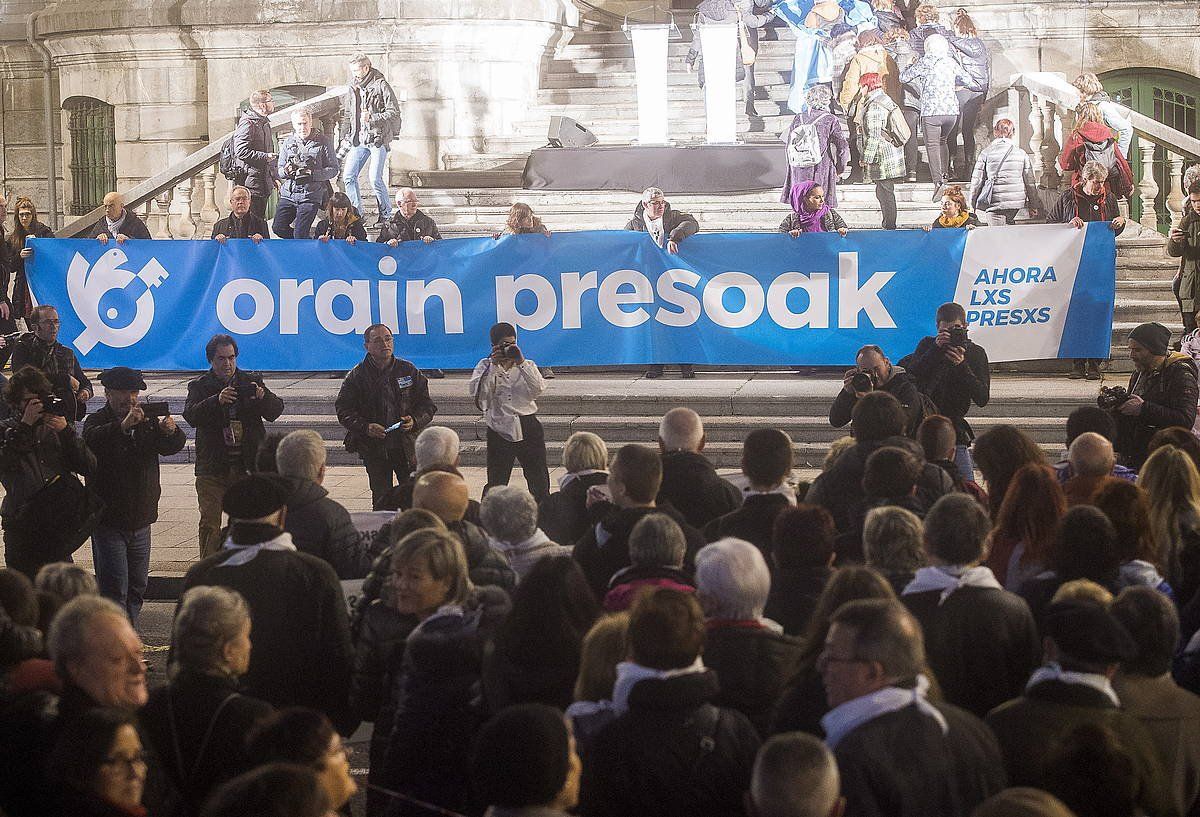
(509, 513)
(1094, 170)
(887, 633)
(301, 454)
(208, 618)
(436, 445)
(651, 192)
(681, 430)
(732, 580)
(359, 59)
(70, 632)
(892, 539)
(585, 451)
(238, 187)
(936, 45)
(818, 96)
(66, 580)
(400, 193)
(302, 113)
(1091, 455)
(657, 541)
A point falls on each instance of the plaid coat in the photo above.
(881, 159)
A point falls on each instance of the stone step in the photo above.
(618, 78)
(775, 57)
(620, 125)
(861, 194)
(626, 97)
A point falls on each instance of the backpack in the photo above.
(804, 148)
(896, 130)
(918, 411)
(229, 164)
(1119, 182)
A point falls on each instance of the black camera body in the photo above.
(246, 391)
(158, 409)
(958, 336)
(509, 351)
(1111, 397)
(863, 381)
(302, 161)
(57, 406)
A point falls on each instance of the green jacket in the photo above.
(1188, 251)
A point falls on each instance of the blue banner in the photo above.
(585, 298)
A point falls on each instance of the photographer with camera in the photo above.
(383, 404)
(505, 385)
(227, 407)
(41, 350)
(45, 514)
(1162, 393)
(954, 373)
(872, 372)
(307, 164)
(127, 438)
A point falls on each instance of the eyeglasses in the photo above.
(49, 322)
(128, 764)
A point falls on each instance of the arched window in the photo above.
(93, 152)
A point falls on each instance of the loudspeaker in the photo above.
(565, 132)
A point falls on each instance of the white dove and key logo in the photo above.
(115, 305)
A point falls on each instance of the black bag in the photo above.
(924, 407)
(64, 512)
(230, 166)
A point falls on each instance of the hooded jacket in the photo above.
(677, 225)
(1169, 395)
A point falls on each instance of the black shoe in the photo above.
(379, 222)
(687, 372)
(546, 372)
(433, 374)
(1077, 372)
(750, 110)
(1093, 370)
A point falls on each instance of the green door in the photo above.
(1168, 97)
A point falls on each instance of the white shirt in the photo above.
(654, 226)
(506, 396)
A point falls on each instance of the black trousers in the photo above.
(381, 467)
(885, 192)
(912, 154)
(258, 205)
(26, 550)
(530, 452)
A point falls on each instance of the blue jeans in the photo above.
(303, 214)
(122, 560)
(353, 165)
(962, 459)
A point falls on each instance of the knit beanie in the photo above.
(1154, 336)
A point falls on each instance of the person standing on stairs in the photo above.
(370, 121)
(750, 15)
(1183, 242)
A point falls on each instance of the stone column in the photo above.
(209, 212)
(1036, 133)
(185, 225)
(1175, 202)
(1148, 189)
(162, 203)
(1050, 148)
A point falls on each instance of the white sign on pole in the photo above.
(719, 42)
(650, 62)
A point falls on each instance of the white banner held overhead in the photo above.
(719, 43)
(650, 61)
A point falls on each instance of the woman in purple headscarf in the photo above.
(810, 213)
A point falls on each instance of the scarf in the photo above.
(567, 479)
(629, 673)
(845, 718)
(244, 553)
(957, 221)
(808, 221)
(114, 227)
(1053, 672)
(949, 578)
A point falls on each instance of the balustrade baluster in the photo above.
(1050, 148)
(1175, 201)
(185, 224)
(209, 212)
(1037, 133)
(162, 203)
(1148, 188)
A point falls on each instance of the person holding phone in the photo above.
(128, 438)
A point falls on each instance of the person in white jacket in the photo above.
(1115, 116)
(1003, 183)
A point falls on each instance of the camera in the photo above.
(863, 381)
(246, 391)
(301, 162)
(507, 350)
(958, 336)
(161, 409)
(55, 405)
(1112, 397)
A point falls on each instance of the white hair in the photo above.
(70, 634)
(681, 430)
(400, 193)
(657, 541)
(936, 45)
(301, 454)
(302, 113)
(732, 580)
(436, 445)
(509, 513)
(651, 192)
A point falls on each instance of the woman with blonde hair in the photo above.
(1091, 90)
(563, 515)
(1093, 140)
(1173, 486)
(604, 647)
(521, 221)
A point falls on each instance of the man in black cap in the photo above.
(1163, 392)
(1083, 647)
(127, 442)
(301, 629)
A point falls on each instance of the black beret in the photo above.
(255, 496)
(123, 378)
(1088, 632)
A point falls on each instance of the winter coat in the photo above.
(58, 363)
(131, 227)
(127, 472)
(753, 522)
(203, 412)
(881, 124)
(677, 225)
(937, 77)
(523, 555)
(900, 385)
(1172, 718)
(834, 137)
(22, 301)
(972, 221)
(1095, 136)
(1013, 185)
(752, 663)
(604, 548)
(972, 55)
(515, 677)
(1169, 394)
(871, 60)
(831, 222)
(435, 720)
(29, 456)
(628, 584)
(198, 724)
(673, 754)
(563, 515)
(917, 37)
(485, 564)
(1187, 250)
(794, 594)
(321, 526)
(353, 229)
(370, 395)
(802, 704)
(314, 155)
(1073, 202)
(692, 486)
(1115, 117)
(253, 144)
(18, 643)
(952, 388)
(245, 227)
(374, 96)
(419, 227)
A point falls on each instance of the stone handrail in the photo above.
(199, 164)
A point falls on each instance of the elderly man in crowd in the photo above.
(1091, 459)
(690, 482)
(307, 164)
(445, 495)
(242, 221)
(1097, 420)
(509, 515)
(436, 448)
(795, 776)
(408, 222)
(118, 222)
(656, 551)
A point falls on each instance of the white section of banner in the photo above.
(650, 62)
(1017, 293)
(719, 42)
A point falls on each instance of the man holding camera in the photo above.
(41, 350)
(227, 407)
(1162, 392)
(383, 404)
(873, 371)
(954, 373)
(371, 119)
(505, 385)
(307, 164)
(127, 438)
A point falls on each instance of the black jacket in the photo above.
(752, 665)
(253, 145)
(370, 395)
(485, 564)
(248, 225)
(416, 228)
(1074, 202)
(754, 522)
(900, 385)
(677, 225)
(563, 515)
(322, 526)
(204, 412)
(29, 457)
(198, 725)
(307, 166)
(127, 475)
(794, 594)
(1169, 394)
(372, 95)
(22, 303)
(981, 643)
(952, 388)
(673, 754)
(692, 486)
(58, 363)
(354, 228)
(302, 652)
(131, 227)
(604, 548)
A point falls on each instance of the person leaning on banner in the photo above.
(872, 372)
(242, 221)
(343, 222)
(226, 406)
(118, 222)
(408, 222)
(127, 440)
(955, 212)
(254, 149)
(667, 228)
(383, 404)
(27, 226)
(1162, 393)
(37, 448)
(40, 349)
(952, 371)
(307, 164)
(810, 213)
